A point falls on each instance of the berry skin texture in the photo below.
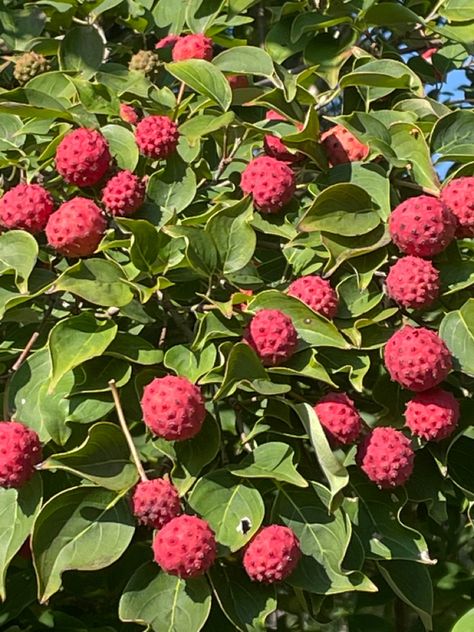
(270, 182)
(342, 146)
(386, 457)
(458, 196)
(422, 226)
(123, 194)
(185, 547)
(195, 46)
(128, 114)
(432, 415)
(83, 157)
(413, 282)
(20, 451)
(157, 136)
(274, 146)
(173, 408)
(417, 358)
(26, 207)
(272, 555)
(317, 293)
(272, 336)
(29, 65)
(168, 41)
(76, 228)
(155, 502)
(339, 417)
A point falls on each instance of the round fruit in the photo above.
(155, 502)
(195, 46)
(432, 415)
(272, 555)
(458, 196)
(29, 65)
(413, 282)
(342, 146)
(339, 417)
(272, 335)
(123, 194)
(270, 182)
(168, 41)
(20, 451)
(146, 62)
(274, 146)
(317, 293)
(26, 207)
(128, 114)
(386, 457)
(83, 157)
(157, 136)
(76, 228)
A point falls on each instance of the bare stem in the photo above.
(179, 99)
(126, 431)
(13, 370)
(416, 187)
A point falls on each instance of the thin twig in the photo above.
(13, 370)
(126, 431)
(178, 100)
(416, 187)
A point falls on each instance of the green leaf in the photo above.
(82, 49)
(324, 538)
(453, 136)
(457, 331)
(103, 458)
(146, 244)
(173, 188)
(465, 623)
(165, 602)
(245, 603)
(188, 363)
(270, 460)
(94, 375)
(204, 78)
(355, 301)
(234, 510)
(388, 14)
(122, 146)
(97, 281)
(81, 528)
(18, 252)
(248, 60)
(18, 509)
(384, 73)
(459, 463)
(201, 250)
(457, 11)
(343, 209)
(410, 145)
(135, 349)
(412, 584)
(311, 327)
(204, 124)
(200, 14)
(75, 340)
(334, 471)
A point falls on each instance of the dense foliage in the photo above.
(273, 424)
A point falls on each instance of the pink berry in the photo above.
(195, 46)
(76, 228)
(123, 194)
(26, 207)
(270, 182)
(386, 457)
(173, 408)
(168, 41)
(272, 335)
(317, 293)
(20, 451)
(432, 415)
(342, 146)
(83, 157)
(339, 417)
(413, 282)
(185, 547)
(458, 196)
(272, 555)
(128, 114)
(237, 81)
(155, 502)
(274, 146)
(157, 136)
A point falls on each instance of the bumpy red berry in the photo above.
(386, 457)
(432, 415)
(128, 114)
(458, 196)
(272, 555)
(274, 146)
(417, 358)
(272, 335)
(157, 136)
(422, 226)
(237, 81)
(339, 417)
(342, 146)
(270, 182)
(83, 157)
(195, 46)
(20, 451)
(155, 502)
(123, 194)
(413, 282)
(185, 547)
(76, 228)
(26, 207)
(167, 41)
(173, 408)
(317, 293)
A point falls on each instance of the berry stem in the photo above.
(126, 431)
(412, 185)
(178, 100)
(22, 357)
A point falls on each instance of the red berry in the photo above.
(76, 228)
(272, 335)
(422, 226)
(237, 81)
(274, 146)
(185, 546)
(155, 502)
(173, 408)
(386, 456)
(317, 293)
(339, 417)
(195, 46)
(417, 358)
(123, 194)
(270, 182)
(20, 451)
(272, 555)
(433, 414)
(128, 114)
(413, 282)
(342, 146)
(83, 157)
(167, 41)
(26, 207)
(458, 196)
(157, 136)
